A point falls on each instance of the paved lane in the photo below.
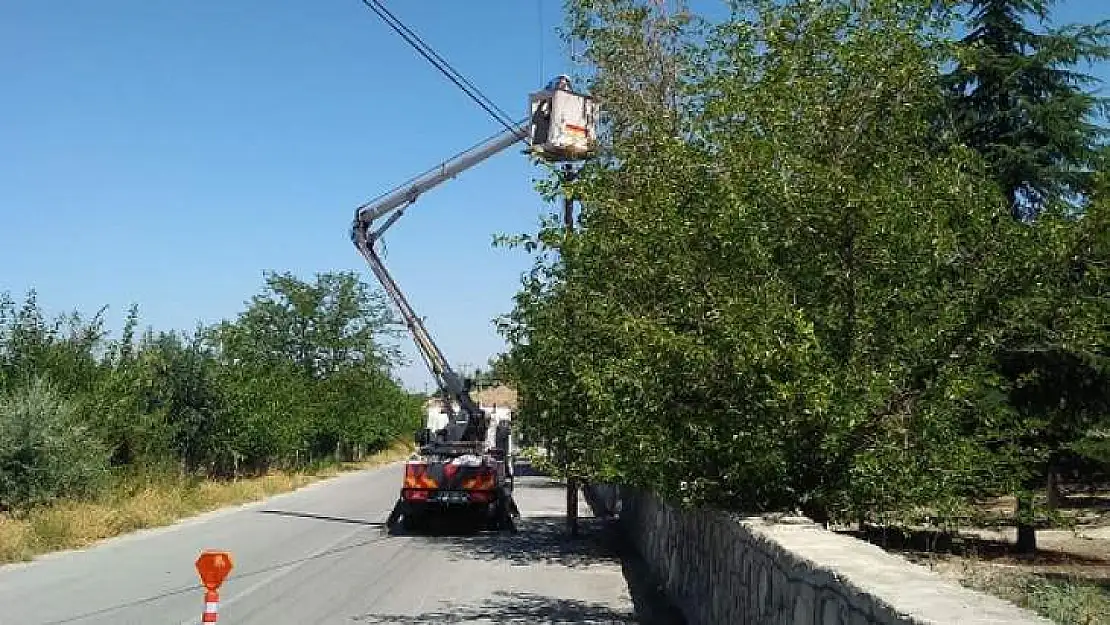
(320, 555)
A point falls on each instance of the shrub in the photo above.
(45, 454)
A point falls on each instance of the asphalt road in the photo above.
(321, 555)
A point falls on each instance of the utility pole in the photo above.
(572, 480)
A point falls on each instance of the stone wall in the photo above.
(725, 570)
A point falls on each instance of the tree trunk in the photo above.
(1055, 498)
(817, 512)
(572, 505)
(1026, 533)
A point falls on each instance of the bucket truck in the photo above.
(455, 466)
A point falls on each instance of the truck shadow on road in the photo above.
(511, 607)
(546, 540)
(539, 539)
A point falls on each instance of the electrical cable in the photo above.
(440, 59)
(436, 60)
(539, 36)
(439, 62)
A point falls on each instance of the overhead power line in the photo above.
(437, 61)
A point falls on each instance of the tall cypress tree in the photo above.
(1017, 98)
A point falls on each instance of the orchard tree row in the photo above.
(302, 376)
(833, 258)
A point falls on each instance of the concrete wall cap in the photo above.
(719, 566)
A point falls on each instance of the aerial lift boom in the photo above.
(560, 128)
(469, 426)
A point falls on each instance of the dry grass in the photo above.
(1067, 599)
(1067, 580)
(147, 501)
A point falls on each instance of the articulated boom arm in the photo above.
(446, 378)
(560, 127)
(365, 236)
(473, 427)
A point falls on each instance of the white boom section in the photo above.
(372, 211)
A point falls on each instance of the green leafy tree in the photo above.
(499, 371)
(64, 350)
(1052, 349)
(46, 452)
(182, 388)
(320, 327)
(1017, 97)
(127, 407)
(305, 373)
(302, 375)
(771, 278)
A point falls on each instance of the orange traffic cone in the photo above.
(211, 607)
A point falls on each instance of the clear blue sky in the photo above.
(167, 153)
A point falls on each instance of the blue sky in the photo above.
(167, 153)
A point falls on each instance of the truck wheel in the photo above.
(491, 516)
(394, 517)
(411, 522)
(502, 519)
(507, 523)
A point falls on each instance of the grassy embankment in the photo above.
(1067, 580)
(152, 500)
(1068, 600)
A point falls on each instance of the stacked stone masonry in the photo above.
(720, 569)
